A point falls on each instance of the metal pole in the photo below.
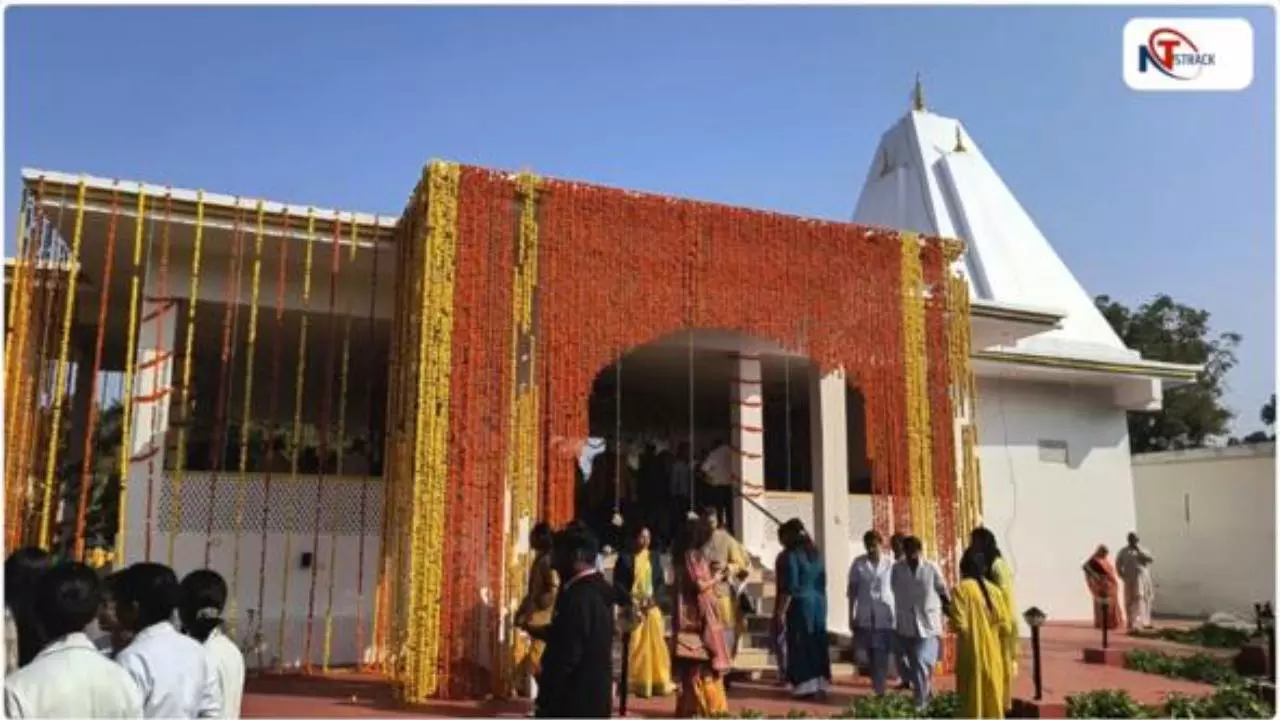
(623, 681)
(1035, 656)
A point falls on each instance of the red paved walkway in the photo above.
(1064, 674)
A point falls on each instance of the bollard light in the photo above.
(1035, 617)
(1104, 602)
(1267, 618)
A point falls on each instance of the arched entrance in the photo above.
(513, 292)
(671, 404)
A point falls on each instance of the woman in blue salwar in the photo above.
(802, 611)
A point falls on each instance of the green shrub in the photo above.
(793, 713)
(1105, 704)
(891, 705)
(1197, 668)
(1236, 700)
(1177, 705)
(1206, 635)
(749, 714)
(943, 705)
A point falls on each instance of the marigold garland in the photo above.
(338, 470)
(193, 295)
(87, 469)
(836, 292)
(250, 357)
(69, 304)
(295, 439)
(131, 339)
(273, 412)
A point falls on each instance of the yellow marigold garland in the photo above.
(180, 466)
(965, 400)
(295, 438)
(68, 314)
(431, 448)
(522, 440)
(126, 427)
(251, 354)
(342, 446)
(915, 358)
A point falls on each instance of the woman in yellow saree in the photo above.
(983, 541)
(638, 574)
(981, 622)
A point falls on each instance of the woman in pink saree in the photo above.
(1104, 585)
(700, 657)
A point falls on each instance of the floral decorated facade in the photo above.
(492, 365)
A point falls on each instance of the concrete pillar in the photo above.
(153, 392)
(831, 529)
(746, 415)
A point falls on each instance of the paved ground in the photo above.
(354, 695)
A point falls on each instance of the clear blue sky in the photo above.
(778, 108)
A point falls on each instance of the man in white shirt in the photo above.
(919, 594)
(174, 672)
(70, 678)
(1133, 565)
(717, 473)
(871, 608)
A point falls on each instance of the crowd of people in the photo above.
(898, 602)
(161, 652)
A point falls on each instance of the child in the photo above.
(69, 677)
(204, 595)
(173, 671)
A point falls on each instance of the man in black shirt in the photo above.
(577, 666)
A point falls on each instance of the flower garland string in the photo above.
(295, 436)
(230, 309)
(243, 479)
(341, 453)
(326, 411)
(68, 314)
(274, 445)
(91, 422)
(193, 302)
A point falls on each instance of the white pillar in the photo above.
(746, 412)
(152, 394)
(831, 529)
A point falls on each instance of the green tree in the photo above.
(1166, 330)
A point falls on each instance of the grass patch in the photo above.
(1197, 668)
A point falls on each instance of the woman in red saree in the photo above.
(1104, 585)
(700, 657)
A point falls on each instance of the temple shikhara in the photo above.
(356, 419)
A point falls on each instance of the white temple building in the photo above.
(1054, 385)
(1054, 381)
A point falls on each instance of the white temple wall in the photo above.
(1196, 507)
(1048, 514)
(1056, 483)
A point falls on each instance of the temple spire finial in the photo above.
(917, 95)
(959, 140)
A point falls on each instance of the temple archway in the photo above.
(696, 399)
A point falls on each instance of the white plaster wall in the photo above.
(1195, 509)
(189, 555)
(293, 508)
(1048, 515)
